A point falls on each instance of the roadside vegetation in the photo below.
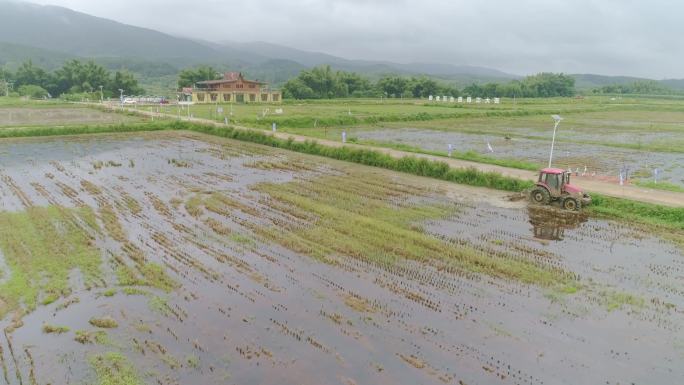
(661, 186)
(638, 211)
(463, 155)
(612, 207)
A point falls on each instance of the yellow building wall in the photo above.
(196, 97)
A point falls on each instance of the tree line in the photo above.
(639, 87)
(324, 83)
(74, 77)
(542, 85)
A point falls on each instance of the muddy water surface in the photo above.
(249, 311)
(19, 117)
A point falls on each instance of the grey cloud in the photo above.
(626, 37)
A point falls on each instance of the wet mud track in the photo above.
(248, 286)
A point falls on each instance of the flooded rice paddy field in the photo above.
(603, 160)
(175, 258)
(22, 117)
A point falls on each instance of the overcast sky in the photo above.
(613, 37)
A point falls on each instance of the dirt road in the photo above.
(640, 194)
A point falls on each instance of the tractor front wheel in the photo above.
(540, 196)
(571, 204)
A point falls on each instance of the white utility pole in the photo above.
(557, 120)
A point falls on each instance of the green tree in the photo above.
(546, 85)
(33, 91)
(323, 83)
(297, 89)
(355, 83)
(423, 87)
(393, 86)
(188, 77)
(474, 90)
(642, 87)
(127, 82)
(76, 77)
(28, 74)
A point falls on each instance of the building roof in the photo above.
(230, 77)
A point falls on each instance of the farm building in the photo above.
(233, 88)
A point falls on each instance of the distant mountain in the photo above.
(12, 55)
(377, 68)
(61, 29)
(590, 81)
(50, 35)
(675, 84)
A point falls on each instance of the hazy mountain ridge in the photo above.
(50, 35)
(71, 34)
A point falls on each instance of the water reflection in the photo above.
(550, 223)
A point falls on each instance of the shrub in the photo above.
(32, 91)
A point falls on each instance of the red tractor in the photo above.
(554, 185)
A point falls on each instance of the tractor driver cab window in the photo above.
(552, 180)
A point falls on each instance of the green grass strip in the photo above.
(665, 186)
(408, 164)
(671, 217)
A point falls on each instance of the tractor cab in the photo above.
(554, 185)
(554, 179)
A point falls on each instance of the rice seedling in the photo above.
(53, 329)
(42, 245)
(113, 368)
(104, 322)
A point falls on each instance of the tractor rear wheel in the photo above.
(540, 196)
(571, 204)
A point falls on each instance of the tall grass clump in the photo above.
(86, 129)
(638, 211)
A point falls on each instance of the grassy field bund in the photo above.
(603, 133)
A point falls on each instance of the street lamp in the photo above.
(101, 95)
(121, 97)
(557, 119)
